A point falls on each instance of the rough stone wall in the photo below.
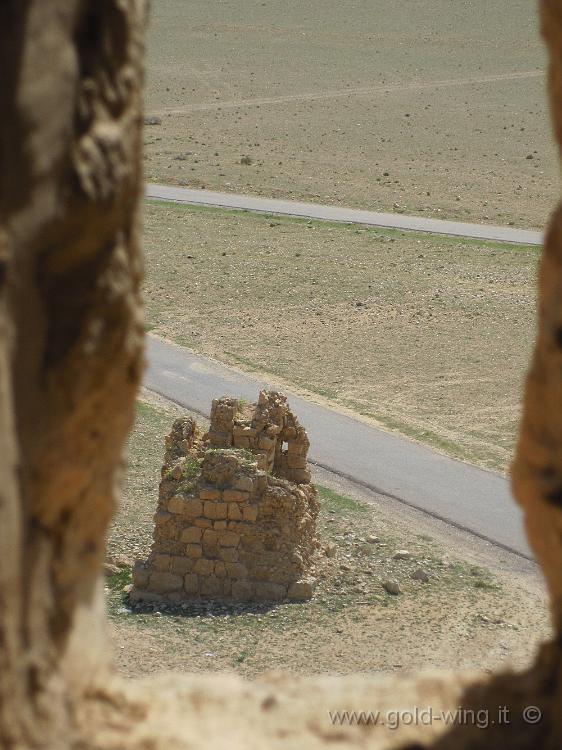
(236, 513)
(269, 429)
(537, 470)
(70, 338)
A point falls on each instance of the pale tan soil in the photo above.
(429, 336)
(465, 617)
(426, 106)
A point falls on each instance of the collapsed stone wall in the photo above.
(236, 515)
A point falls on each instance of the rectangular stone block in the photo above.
(234, 512)
(210, 586)
(164, 582)
(210, 537)
(191, 583)
(140, 574)
(215, 511)
(229, 538)
(296, 449)
(226, 587)
(250, 513)
(191, 535)
(220, 525)
(263, 461)
(228, 554)
(166, 488)
(194, 550)
(192, 508)
(210, 493)
(220, 569)
(203, 523)
(242, 590)
(301, 476)
(244, 484)
(240, 527)
(220, 439)
(266, 443)
(161, 562)
(204, 567)
(177, 504)
(236, 570)
(296, 462)
(161, 517)
(235, 496)
(261, 477)
(169, 546)
(270, 591)
(243, 430)
(302, 590)
(181, 565)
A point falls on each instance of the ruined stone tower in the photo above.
(236, 515)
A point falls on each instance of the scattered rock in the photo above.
(330, 549)
(121, 561)
(152, 120)
(392, 587)
(301, 591)
(372, 539)
(401, 554)
(110, 570)
(420, 574)
(246, 160)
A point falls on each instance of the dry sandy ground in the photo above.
(482, 607)
(427, 336)
(429, 107)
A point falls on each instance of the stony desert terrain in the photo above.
(370, 106)
(424, 335)
(422, 106)
(480, 609)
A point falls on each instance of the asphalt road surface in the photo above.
(345, 215)
(462, 495)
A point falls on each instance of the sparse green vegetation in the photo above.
(334, 501)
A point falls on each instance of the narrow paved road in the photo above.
(345, 215)
(463, 495)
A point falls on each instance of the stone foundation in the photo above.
(236, 515)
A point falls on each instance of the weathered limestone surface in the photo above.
(236, 513)
(70, 356)
(70, 338)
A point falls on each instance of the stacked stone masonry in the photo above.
(236, 516)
